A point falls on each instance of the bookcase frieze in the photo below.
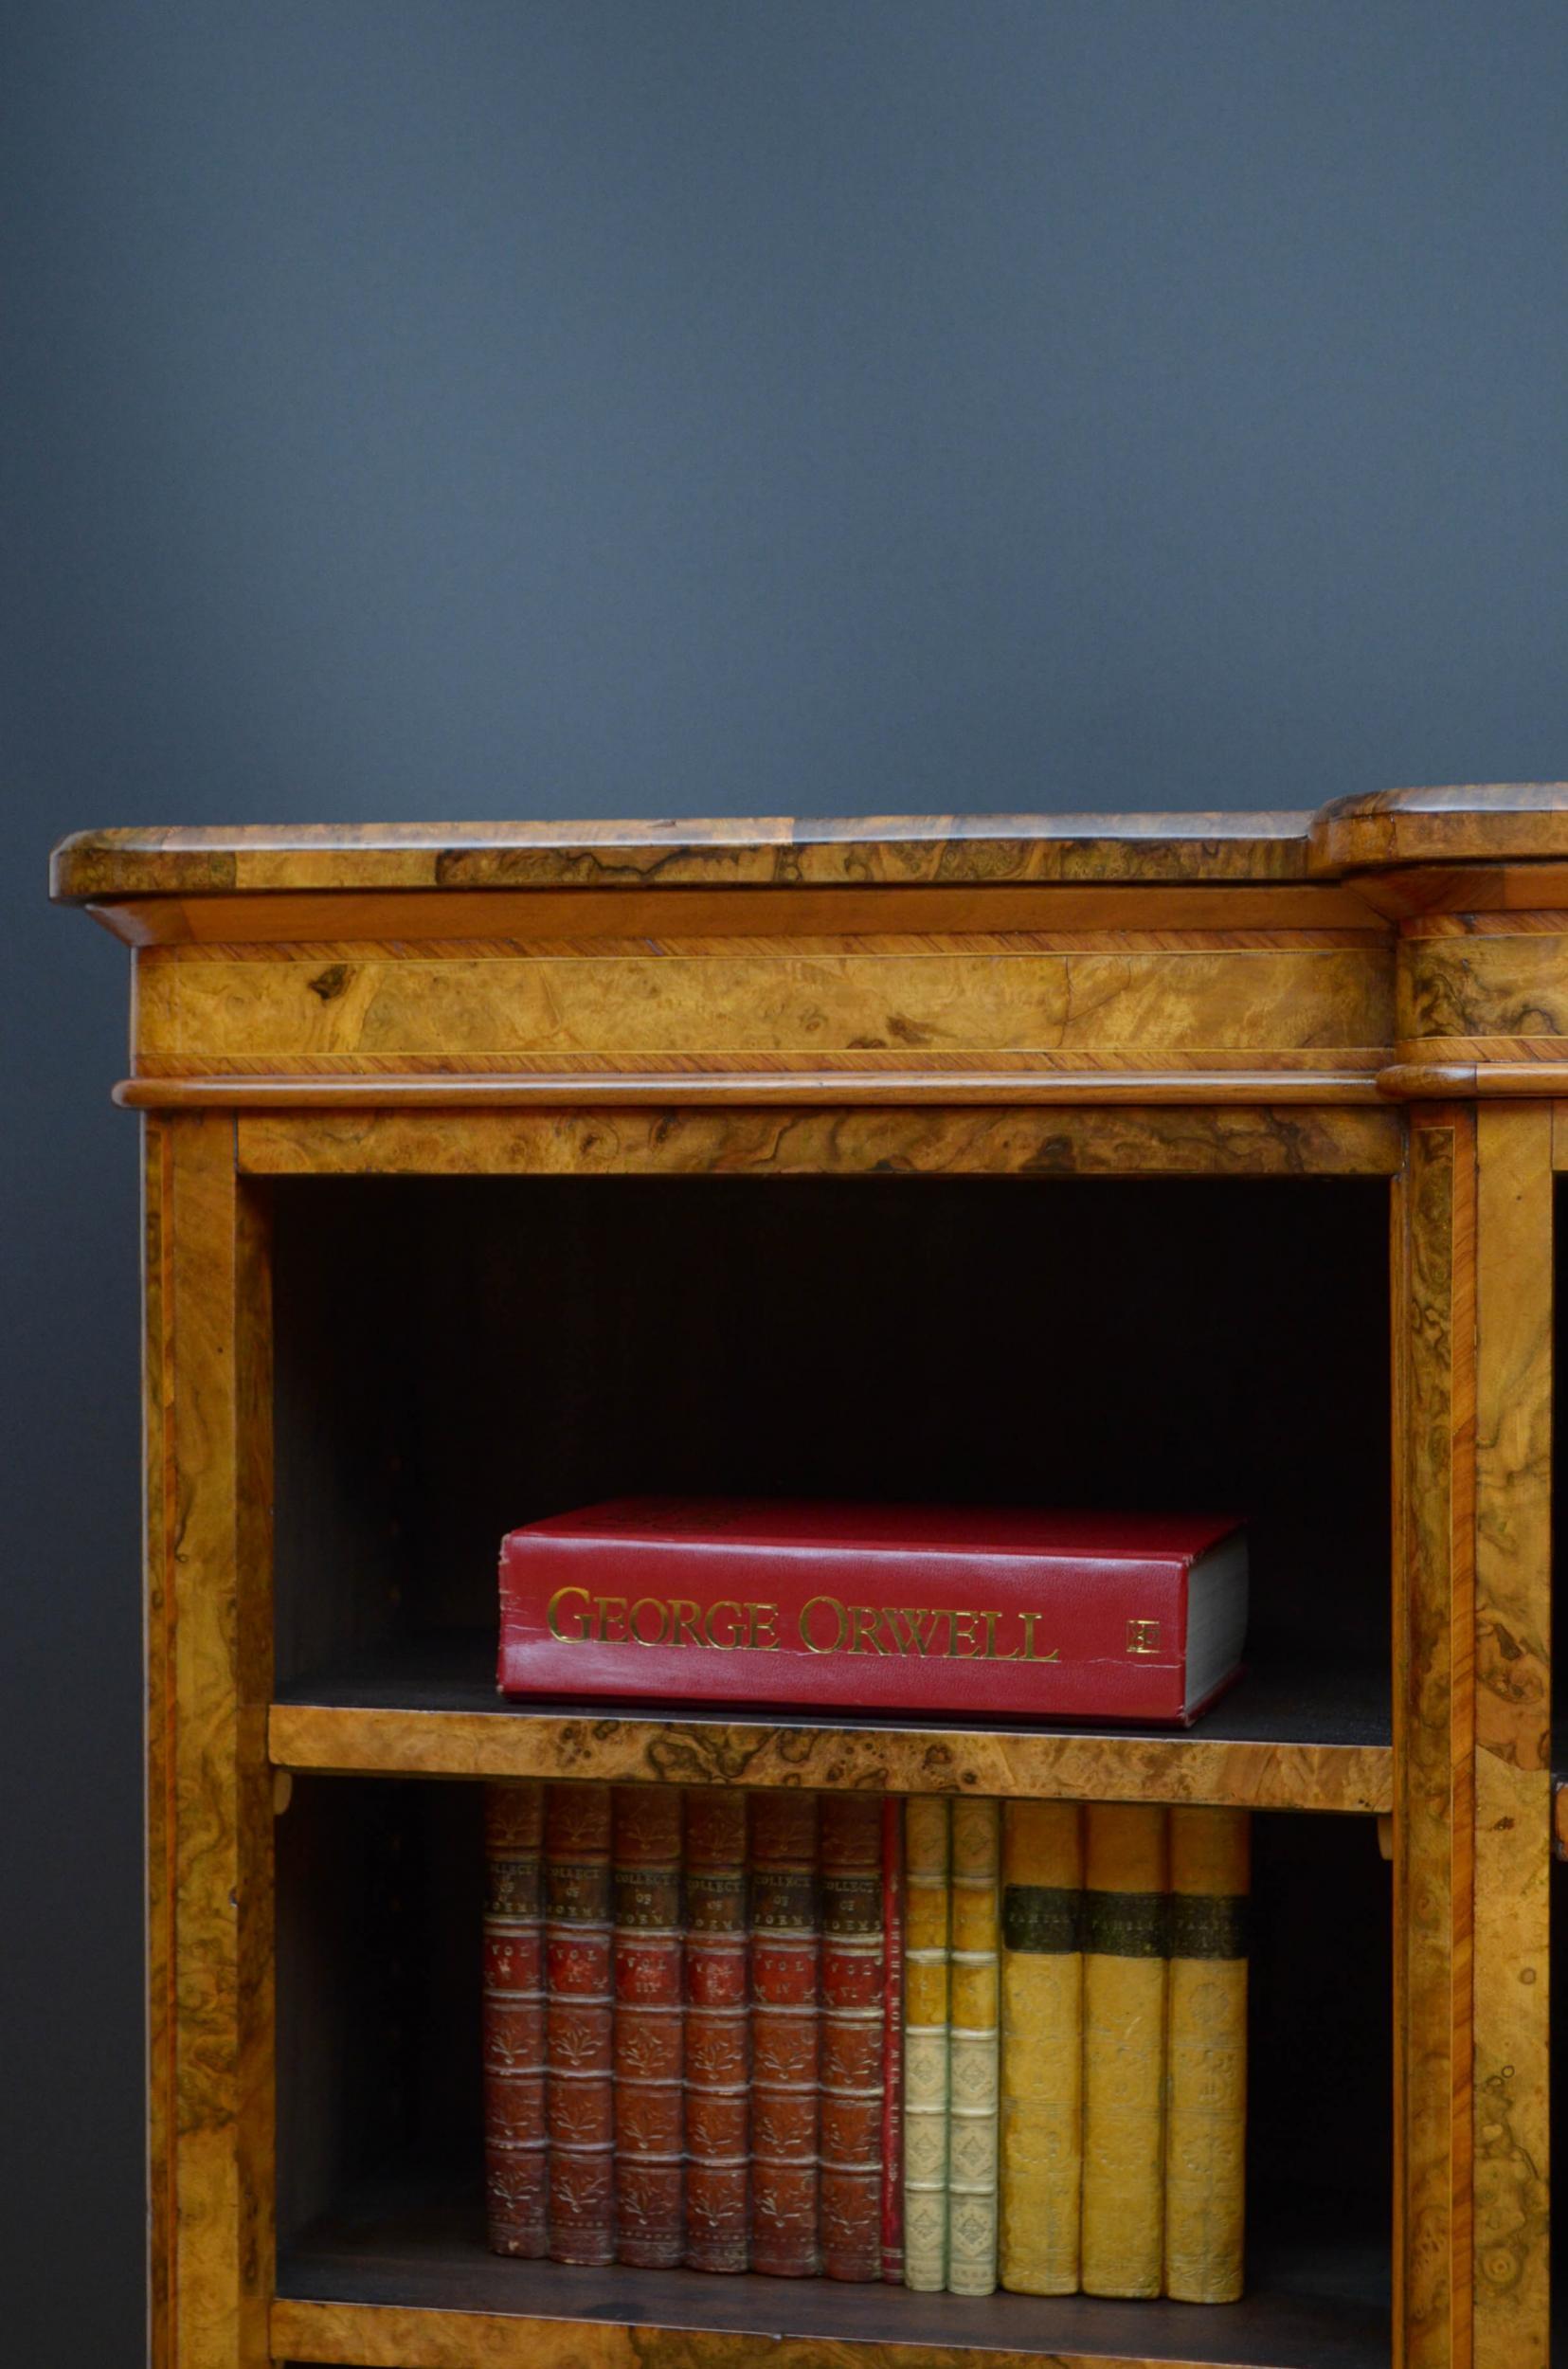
(1119, 1002)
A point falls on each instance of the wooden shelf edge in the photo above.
(508, 1090)
(393, 2336)
(1342, 1777)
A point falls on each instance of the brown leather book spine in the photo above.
(892, 2040)
(785, 2033)
(649, 2122)
(579, 2019)
(853, 2011)
(515, 2152)
(717, 2029)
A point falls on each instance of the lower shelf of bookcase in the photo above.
(401, 2277)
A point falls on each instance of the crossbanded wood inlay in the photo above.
(1121, 1000)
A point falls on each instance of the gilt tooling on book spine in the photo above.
(997, 1609)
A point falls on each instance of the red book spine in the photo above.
(579, 2089)
(999, 1612)
(647, 2045)
(785, 2035)
(892, 2040)
(852, 2012)
(516, 2159)
(718, 2053)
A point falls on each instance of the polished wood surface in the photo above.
(952, 850)
(828, 1141)
(1497, 821)
(902, 1090)
(1296, 1740)
(1433, 1679)
(1513, 1714)
(209, 1390)
(942, 1006)
(1379, 991)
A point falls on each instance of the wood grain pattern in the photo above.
(209, 1403)
(826, 1142)
(1434, 1331)
(1187, 1767)
(1252, 996)
(158, 1465)
(773, 851)
(388, 2338)
(389, 918)
(1504, 988)
(1512, 1732)
(938, 1003)
(935, 1089)
(1470, 823)
(1498, 1081)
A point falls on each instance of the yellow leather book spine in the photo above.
(926, 1873)
(1042, 2135)
(1125, 1923)
(973, 2076)
(1206, 2054)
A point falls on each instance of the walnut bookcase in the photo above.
(487, 1166)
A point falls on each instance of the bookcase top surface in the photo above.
(1474, 824)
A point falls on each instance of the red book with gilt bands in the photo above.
(999, 1610)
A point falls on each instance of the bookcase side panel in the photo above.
(210, 1878)
(1513, 1739)
(157, 1364)
(1435, 1371)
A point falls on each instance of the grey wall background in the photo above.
(712, 406)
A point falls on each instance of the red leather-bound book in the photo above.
(853, 2009)
(517, 2162)
(718, 2046)
(892, 2040)
(579, 2019)
(785, 2033)
(973, 1611)
(649, 2124)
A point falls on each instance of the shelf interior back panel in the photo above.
(455, 1356)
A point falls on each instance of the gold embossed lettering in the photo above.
(961, 1640)
(1030, 1619)
(723, 1604)
(610, 1609)
(993, 1652)
(555, 1611)
(661, 1617)
(862, 1625)
(762, 1627)
(684, 1616)
(841, 1617)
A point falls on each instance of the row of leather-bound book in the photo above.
(954, 2043)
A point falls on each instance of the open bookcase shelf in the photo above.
(401, 2247)
(495, 1169)
(1313, 1737)
(380, 2203)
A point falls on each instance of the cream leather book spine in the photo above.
(1125, 1941)
(1206, 2053)
(1042, 2096)
(926, 1873)
(973, 2070)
